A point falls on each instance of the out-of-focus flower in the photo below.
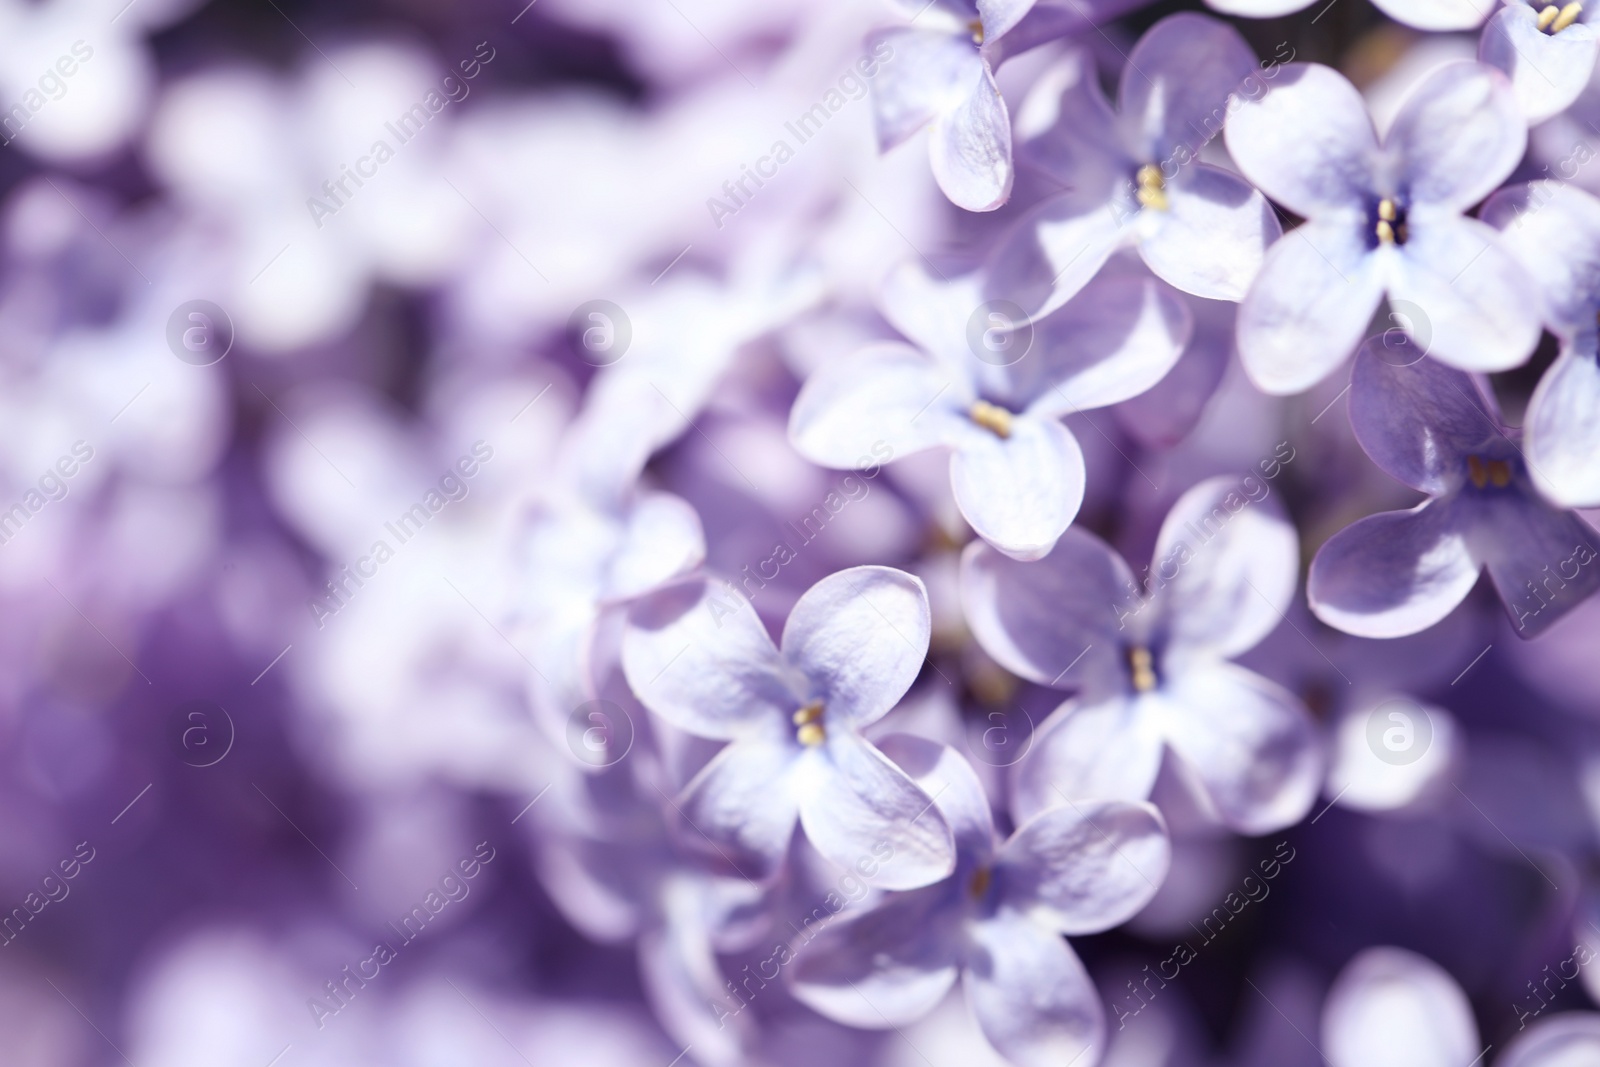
(1134, 177)
(1554, 231)
(1150, 660)
(1440, 432)
(992, 390)
(1422, 14)
(1547, 50)
(996, 922)
(699, 657)
(1383, 217)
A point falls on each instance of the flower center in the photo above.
(1496, 472)
(808, 725)
(979, 883)
(1553, 20)
(1391, 223)
(1141, 668)
(1152, 192)
(992, 417)
(975, 27)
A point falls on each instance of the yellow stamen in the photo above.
(1141, 665)
(992, 417)
(1386, 210)
(1152, 187)
(1547, 16)
(1387, 216)
(976, 27)
(1568, 16)
(1477, 472)
(1385, 232)
(1499, 473)
(809, 720)
(979, 883)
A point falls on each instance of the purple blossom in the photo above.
(1547, 50)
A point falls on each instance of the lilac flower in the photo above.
(1547, 50)
(1554, 231)
(996, 922)
(1393, 1008)
(1017, 473)
(1151, 664)
(1421, 14)
(939, 71)
(1383, 217)
(1134, 177)
(700, 658)
(1439, 431)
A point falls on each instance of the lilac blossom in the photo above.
(1421, 14)
(996, 922)
(1016, 472)
(1547, 50)
(1149, 660)
(1383, 217)
(1439, 431)
(1134, 177)
(698, 656)
(1554, 231)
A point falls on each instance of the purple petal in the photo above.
(865, 814)
(1045, 620)
(1000, 15)
(1226, 565)
(1176, 84)
(1392, 574)
(1307, 142)
(1309, 306)
(683, 984)
(1056, 249)
(886, 967)
(739, 811)
(971, 147)
(1030, 994)
(1213, 235)
(1067, 127)
(860, 637)
(1563, 432)
(1393, 1008)
(946, 776)
(930, 72)
(1166, 413)
(661, 539)
(1089, 750)
(1544, 561)
(1084, 868)
(1553, 230)
(1114, 340)
(1476, 307)
(1417, 418)
(1251, 743)
(1021, 491)
(1547, 70)
(887, 400)
(1458, 136)
(698, 656)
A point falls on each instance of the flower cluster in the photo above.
(1049, 533)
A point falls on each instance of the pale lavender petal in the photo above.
(860, 809)
(1393, 1008)
(739, 811)
(1547, 70)
(1458, 136)
(1571, 1039)
(1176, 83)
(1112, 341)
(1090, 750)
(1258, 9)
(971, 147)
(661, 539)
(886, 967)
(1416, 418)
(1045, 621)
(1225, 568)
(1476, 306)
(698, 656)
(885, 401)
(1021, 491)
(1000, 15)
(1437, 15)
(1307, 142)
(946, 776)
(678, 970)
(1085, 867)
(1309, 306)
(1563, 426)
(1553, 230)
(1067, 127)
(930, 74)
(1251, 743)
(1392, 574)
(1165, 414)
(860, 636)
(1544, 561)
(1053, 252)
(1030, 994)
(1212, 237)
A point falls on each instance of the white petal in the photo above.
(1211, 239)
(882, 402)
(1393, 1008)
(971, 148)
(1563, 426)
(1109, 750)
(946, 776)
(1030, 994)
(739, 811)
(1437, 15)
(1571, 1039)
(1553, 230)
(930, 73)
(860, 636)
(1457, 136)
(1086, 867)
(1019, 492)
